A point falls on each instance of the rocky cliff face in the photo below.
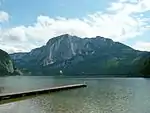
(6, 65)
(75, 55)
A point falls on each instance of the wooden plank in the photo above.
(9, 96)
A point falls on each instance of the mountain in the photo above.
(144, 65)
(6, 65)
(81, 56)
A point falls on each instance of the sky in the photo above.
(28, 24)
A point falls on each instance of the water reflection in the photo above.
(1, 89)
(101, 96)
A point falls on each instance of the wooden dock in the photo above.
(10, 96)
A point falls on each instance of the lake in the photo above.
(103, 95)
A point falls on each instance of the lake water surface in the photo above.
(110, 95)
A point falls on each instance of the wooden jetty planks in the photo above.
(39, 91)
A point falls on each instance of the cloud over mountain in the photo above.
(121, 21)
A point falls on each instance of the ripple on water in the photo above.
(101, 96)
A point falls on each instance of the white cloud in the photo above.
(129, 1)
(13, 47)
(3, 16)
(143, 46)
(121, 21)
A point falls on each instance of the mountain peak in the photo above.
(99, 37)
(60, 37)
(64, 35)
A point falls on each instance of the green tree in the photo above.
(146, 68)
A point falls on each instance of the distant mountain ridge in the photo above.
(76, 56)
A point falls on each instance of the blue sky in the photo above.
(27, 24)
(30, 9)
